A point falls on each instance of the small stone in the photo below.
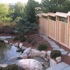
(58, 59)
(16, 44)
(6, 41)
(20, 45)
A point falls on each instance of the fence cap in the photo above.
(48, 14)
(61, 14)
(68, 13)
(39, 15)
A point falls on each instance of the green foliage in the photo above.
(1, 68)
(4, 11)
(55, 5)
(16, 10)
(27, 24)
(15, 38)
(30, 40)
(55, 53)
(42, 47)
(30, 11)
(23, 27)
(10, 67)
(22, 39)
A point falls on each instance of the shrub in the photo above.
(42, 47)
(15, 38)
(55, 53)
(1, 68)
(22, 38)
(30, 40)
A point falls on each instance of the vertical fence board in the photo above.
(57, 30)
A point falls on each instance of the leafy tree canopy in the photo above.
(55, 5)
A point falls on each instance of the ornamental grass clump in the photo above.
(55, 53)
(42, 47)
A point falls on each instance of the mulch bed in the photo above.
(39, 39)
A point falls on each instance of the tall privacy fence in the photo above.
(56, 26)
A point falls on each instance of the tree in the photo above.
(4, 11)
(24, 27)
(16, 10)
(30, 10)
(55, 5)
(28, 24)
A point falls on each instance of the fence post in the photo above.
(68, 32)
(48, 24)
(57, 28)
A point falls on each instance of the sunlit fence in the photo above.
(56, 26)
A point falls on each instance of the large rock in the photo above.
(32, 52)
(52, 62)
(30, 64)
(35, 53)
(43, 54)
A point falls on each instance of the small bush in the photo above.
(55, 53)
(15, 38)
(22, 39)
(30, 40)
(1, 68)
(42, 47)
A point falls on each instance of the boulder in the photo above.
(27, 51)
(35, 53)
(52, 62)
(43, 54)
(23, 56)
(6, 41)
(30, 64)
(48, 54)
(31, 52)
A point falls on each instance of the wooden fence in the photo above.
(56, 26)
